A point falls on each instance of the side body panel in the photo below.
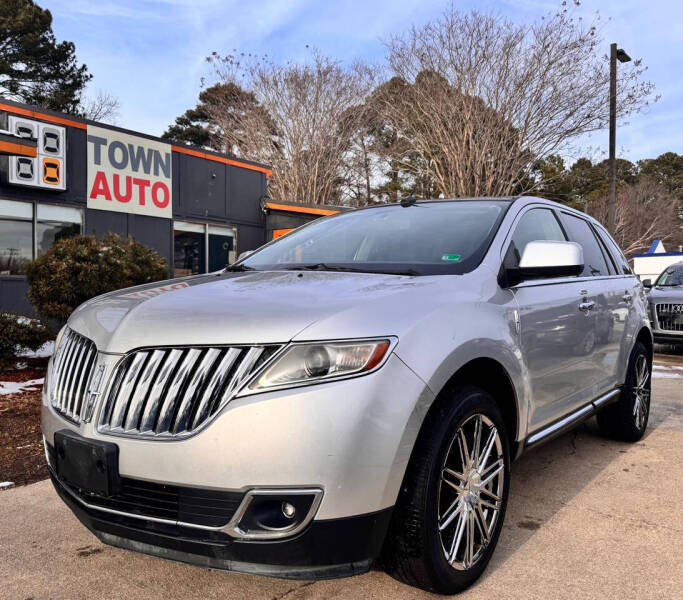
(480, 323)
(558, 343)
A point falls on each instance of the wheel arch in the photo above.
(490, 375)
(645, 337)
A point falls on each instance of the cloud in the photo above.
(151, 54)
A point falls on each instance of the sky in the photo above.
(151, 54)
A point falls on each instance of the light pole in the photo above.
(614, 55)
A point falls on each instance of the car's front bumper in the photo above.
(325, 549)
(351, 439)
(662, 336)
(660, 332)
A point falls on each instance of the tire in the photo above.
(415, 548)
(626, 419)
(586, 345)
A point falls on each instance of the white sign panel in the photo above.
(47, 170)
(127, 173)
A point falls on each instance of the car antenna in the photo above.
(408, 201)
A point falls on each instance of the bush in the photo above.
(18, 334)
(79, 268)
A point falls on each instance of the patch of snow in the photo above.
(44, 351)
(6, 484)
(667, 375)
(21, 319)
(17, 387)
(667, 372)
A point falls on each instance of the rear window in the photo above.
(621, 262)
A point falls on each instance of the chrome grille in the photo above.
(72, 368)
(172, 392)
(670, 316)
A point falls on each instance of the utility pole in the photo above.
(614, 55)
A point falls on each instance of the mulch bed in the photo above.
(22, 459)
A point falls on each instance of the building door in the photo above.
(221, 247)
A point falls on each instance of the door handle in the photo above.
(586, 306)
(627, 297)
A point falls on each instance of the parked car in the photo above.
(354, 390)
(665, 298)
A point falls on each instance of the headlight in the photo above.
(303, 364)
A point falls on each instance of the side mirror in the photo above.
(541, 259)
(647, 283)
(245, 254)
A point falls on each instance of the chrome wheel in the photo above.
(641, 392)
(470, 493)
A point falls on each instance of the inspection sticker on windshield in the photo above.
(451, 257)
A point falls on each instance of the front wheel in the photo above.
(451, 507)
(627, 419)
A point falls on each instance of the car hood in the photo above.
(261, 307)
(666, 294)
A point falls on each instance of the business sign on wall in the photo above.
(127, 173)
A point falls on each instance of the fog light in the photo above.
(275, 513)
(288, 510)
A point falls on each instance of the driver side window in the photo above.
(536, 224)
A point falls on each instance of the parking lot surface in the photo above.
(587, 518)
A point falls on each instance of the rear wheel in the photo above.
(452, 503)
(627, 419)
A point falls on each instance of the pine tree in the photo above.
(34, 67)
(220, 108)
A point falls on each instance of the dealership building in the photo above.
(61, 176)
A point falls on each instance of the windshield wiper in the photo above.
(237, 268)
(345, 269)
(322, 267)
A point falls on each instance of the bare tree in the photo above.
(483, 97)
(298, 118)
(102, 107)
(646, 210)
(356, 188)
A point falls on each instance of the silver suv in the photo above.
(666, 305)
(353, 391)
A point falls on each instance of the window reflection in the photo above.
(190, 244)
(188, 253)
(16, 246)
(54, 223)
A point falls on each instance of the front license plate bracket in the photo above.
(89, 465)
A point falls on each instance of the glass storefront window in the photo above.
(189, 249)
(192, 241)
(16, 237)
(19, 243)
(56, 223)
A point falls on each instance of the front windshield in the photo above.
(422, 239)
(671, 277)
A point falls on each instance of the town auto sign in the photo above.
(128, 173)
